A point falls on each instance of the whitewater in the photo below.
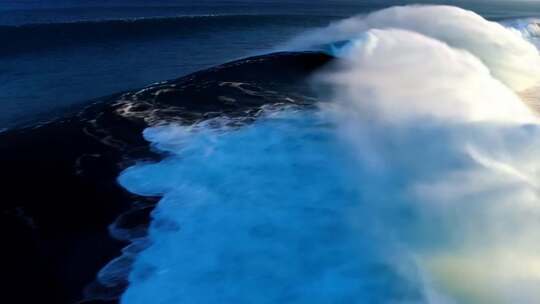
(414, 180)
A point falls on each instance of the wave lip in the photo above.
(510, 58)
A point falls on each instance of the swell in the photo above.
(32, 37)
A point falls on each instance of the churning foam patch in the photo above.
(260, 214)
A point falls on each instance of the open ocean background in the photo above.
(55, 55)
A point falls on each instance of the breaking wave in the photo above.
(509, 57)
(415, 180)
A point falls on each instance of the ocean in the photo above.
(338, 151)
(59, 54)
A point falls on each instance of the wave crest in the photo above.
(509, 57)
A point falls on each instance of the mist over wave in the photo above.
(415, 181)
(509, 57)
(434, 119)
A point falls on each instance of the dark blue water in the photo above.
(58, 54)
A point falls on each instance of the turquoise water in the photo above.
(264, 213)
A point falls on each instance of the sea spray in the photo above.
(435, 132)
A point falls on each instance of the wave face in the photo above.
(415, 182)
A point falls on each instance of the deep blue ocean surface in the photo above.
(56, 54)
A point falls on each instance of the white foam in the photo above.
(508, 56)
(409, 76)
(257, 215)
(442, 137)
